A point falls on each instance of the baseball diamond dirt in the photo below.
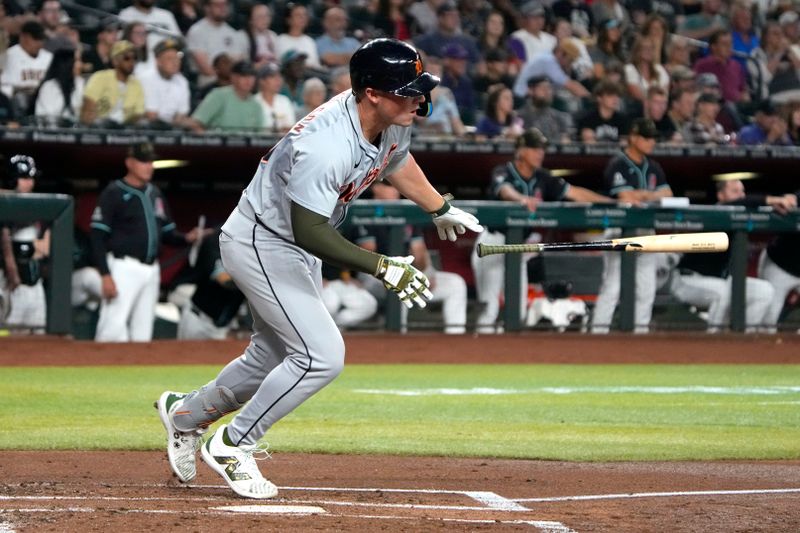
(133, 491)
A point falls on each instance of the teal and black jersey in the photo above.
(129, 221)
(542, 184)
(622, 174)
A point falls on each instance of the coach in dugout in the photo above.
(128, 225)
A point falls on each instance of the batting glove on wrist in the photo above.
(450, 220)
(400, 277)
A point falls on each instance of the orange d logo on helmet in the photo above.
(418, 66)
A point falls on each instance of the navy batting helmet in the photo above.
(19, 166)
(394, 67)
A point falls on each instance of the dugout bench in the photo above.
(738, 221)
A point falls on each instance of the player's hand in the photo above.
(109, 288)
(402, 278)
(450, 220)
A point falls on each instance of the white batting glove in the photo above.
(450, 220)
(403, 279)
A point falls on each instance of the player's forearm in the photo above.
(412, 183)
(313, 234)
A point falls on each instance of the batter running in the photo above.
(273, 244)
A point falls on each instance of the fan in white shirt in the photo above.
(166, 90)
(25, 63)
(279, 115)
(212, 36)
(160, 23)
(60, 96)
(295, 38)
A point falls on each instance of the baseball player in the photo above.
(779, 265)
(522, 180)
(274, 242)
(25, 247)
(128, 225)
(705, 279)
(631, 177)
(215, 301)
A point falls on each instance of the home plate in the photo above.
(271, 509)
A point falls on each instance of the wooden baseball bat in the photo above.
(676, 242)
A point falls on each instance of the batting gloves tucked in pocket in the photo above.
(450, 220)
(400, 277)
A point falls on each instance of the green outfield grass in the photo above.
(571, 412)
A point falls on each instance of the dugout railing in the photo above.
(740, 222)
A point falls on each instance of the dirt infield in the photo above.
(133, 491)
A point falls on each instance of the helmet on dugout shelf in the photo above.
(394, 67)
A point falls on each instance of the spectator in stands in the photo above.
(655, 108)
(125, 240)
(334, 46)
(24, 249)
(7, 112)
(728, 116)
(263, 41)
(391, 19)
(728, 71)
(631, 177)
(159, 23)
(215, 300)
(340, 79)
(743, 35)
(114, 97)
(609, 47)
(644, 71)
(447, 287)
(423, 15)
(707, 22)
(499, 119)
(705, 279)
(790, 24)
(167, 97)
(314, 95)
(279, 112)
(681, 110)
(473, 14)
(523, 181)
(539, 113)
(455, 77)
(557, 66)
(222, 65)
(582, 67)
(295, 39)
(447, 36)
(186, 13)
(770, 58)
(678, 55)
(293, 68)
(768, 128)
(496, 71)
(704, 128)
(779, 266)
(50, 15)
(444, 118)
(136, 34)
(611, 9)
(604, 123)
(233, 107)
(531, 39)
(792, 117)
(211, 36)
(681, 77)
(655, 29)
(494, 36)
(60, 97)
(578, 14)
(98, 57)
(24, 67)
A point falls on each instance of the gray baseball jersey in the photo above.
(322, 164)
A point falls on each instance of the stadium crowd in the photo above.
(708, 71)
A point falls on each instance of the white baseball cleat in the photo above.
(237, 466)
(181, 446)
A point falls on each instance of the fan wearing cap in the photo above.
(631, 177)
(768, 128)
(704, 128)
(233, 107)
(212, 36)
(531, 39)
(279, 112)
(166, 90)
(129, 223)
(25, 65)
(524, 181)
(114, 96)
(555, 65)
(273, 245)
(22, 294)
(448, 34)
(539, 112)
